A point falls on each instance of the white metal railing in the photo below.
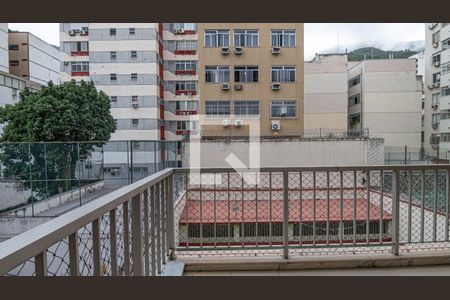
(287, 210)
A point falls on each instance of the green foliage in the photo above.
(358, 54)
(68, 114)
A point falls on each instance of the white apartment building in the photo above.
(4, 60)
(74, 51)
(385, 96)
(33, 59)
(180, 78)
(437, 89)
(326, 92)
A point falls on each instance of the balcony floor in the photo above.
(398, 271)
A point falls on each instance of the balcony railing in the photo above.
(287, 211)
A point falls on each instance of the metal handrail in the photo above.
(36, 240)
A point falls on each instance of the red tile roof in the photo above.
(263, 206)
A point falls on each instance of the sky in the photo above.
(318, 36)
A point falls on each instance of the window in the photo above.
(355, 118)
(186, 105)
(446, 68)
(435, 118)
(307, 229)
(185, 65)
(13, 63)
(445, 114)
(184, 45)
(80, 66)
(217, 108)
(283, 108)
(282, 38)
(113, 55)
(217, 38)
(135, 122)
(436, 77)
(246, 108)
(132, 31)
(246, 38)
(208, 230)
(435, 98)
(185, 86)
(112, 31)
(436, 36)
(113, 76)
(354, 81)
(353, 100)
(446, 44)
(283, 73)
(246, 74)
(79, 46)
(113, 98)
(185, 26)
(134, 77)
(445, 91)
(133, 54)
(436, 57)
(13, 47)
(217, 74)
(445, 137)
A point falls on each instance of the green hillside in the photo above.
(358, 54)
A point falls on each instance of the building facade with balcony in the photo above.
(180, 79)
(385, 96)
(4, 61)
(326, 92)
(33, 59)
(251, 71)
(437, 88)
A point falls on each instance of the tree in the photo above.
(76, 116)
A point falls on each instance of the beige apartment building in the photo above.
(326, 92)
(248, 72)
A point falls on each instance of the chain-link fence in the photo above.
(414, 155)
(39, 179)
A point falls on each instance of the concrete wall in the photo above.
(292, 153)
(11, 226)
(4, 60)
(326, 92)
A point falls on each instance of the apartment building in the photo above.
(385, 96)
(4, 61)
(248, 72)
(420, 71)
(326, 92)
(180, 79)
(437, 88)
(33, 59)
(74, 51)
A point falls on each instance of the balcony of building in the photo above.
(208, 220)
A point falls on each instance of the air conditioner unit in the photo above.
(430, 86)
(71, 32)
(437, 84)
(226, 123)
(238, 87)
(436, 63)
(66, 63)
(238, 50)
(435, 45)
(225, 86)
(225, 50)
(276, 50)
(276, 86)
(179, 31)
(135, 105)
(435, 106)
(84, 32)
(435, 125)
(276, 125)
(238, 123)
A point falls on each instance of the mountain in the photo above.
(376, 53)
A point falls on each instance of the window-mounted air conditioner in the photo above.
(276, 86)
(71, 32)
(225, 50)
(238, 87)
(226, 123)
(276, 125)
(225, 86)
(276, 50)
(238, 123)
(238, 50)
(135, 105)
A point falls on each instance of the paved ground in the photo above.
(404, 271)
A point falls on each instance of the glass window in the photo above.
(80, 66)
(246, 38)
(132, 31)
(217, 74)
(113, 98)
(445, 68)
(185, 26)
(112, 31)
(436, 57)
(186, 45)
(283, 73)
(436, 36)
(282, 38)
(113, 76)
(186, 105)
(13, 47)
(133, 54)
(355, 119)
(135, 122)
(246, 108)
(185, 65)
(217, 38)
(435, 98)
(446, 44)
(134, 77)
(283, 108)
(435, 118)
(445, 91)
(353, 100)
(436, 77)
(217, 108)
(246, 74)
(79, 46)
(113, 55)
(354, 81)
(186, 86)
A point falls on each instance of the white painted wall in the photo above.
(4, 60)
(44, 61)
